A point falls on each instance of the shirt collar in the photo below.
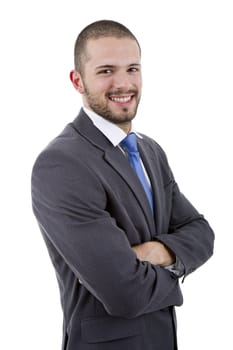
(113, 133)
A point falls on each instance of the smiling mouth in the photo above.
(121, 99)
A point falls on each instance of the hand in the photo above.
(155, 252)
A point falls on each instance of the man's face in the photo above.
(111, 78)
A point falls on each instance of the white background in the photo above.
(186, 106)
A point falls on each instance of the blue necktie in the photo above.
(129, 144)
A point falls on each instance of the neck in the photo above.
(126, 127)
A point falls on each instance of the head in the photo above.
(108, 71)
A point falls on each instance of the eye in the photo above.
(105, 71)
(133, 70)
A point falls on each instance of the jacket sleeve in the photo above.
(189, 235)
(70, 205)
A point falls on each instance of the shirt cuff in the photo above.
(177, 268)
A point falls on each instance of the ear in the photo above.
(76, 80)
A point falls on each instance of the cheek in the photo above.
(97, 87)
(138, 82)
(102, 86)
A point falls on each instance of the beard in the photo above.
(103, 109)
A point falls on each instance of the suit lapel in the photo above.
(116, 159)
(121, 165)
(152, 169)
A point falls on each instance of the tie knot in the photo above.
(129, 143)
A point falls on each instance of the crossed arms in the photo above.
(69, 203)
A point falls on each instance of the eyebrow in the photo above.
(104, 66)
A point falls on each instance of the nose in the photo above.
(121, 80)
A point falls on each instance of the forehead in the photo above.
(114, 51)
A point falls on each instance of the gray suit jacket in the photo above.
(91, 209)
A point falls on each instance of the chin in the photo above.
(123, 119)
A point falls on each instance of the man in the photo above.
(119, 232)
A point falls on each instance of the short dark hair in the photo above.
(96, 30)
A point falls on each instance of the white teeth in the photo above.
(121, 99)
